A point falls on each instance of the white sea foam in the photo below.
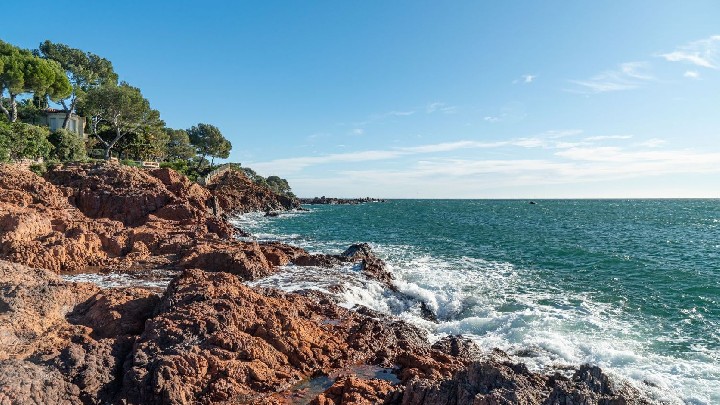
(152, 279)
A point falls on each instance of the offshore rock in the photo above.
(372, 266)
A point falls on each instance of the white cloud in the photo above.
(424, 172)
(529, 78)
(440, 107)
(491, 119)
(398, 113)
(692, 74)
(450, 146)
(606, 137)
(296, 164)
(704, 53)
(627, 76)
(554, 134)
(358, 131)
(652, 143)
(544, 140)
(530, 143)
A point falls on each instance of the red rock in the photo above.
(235, 192)
(353, 390)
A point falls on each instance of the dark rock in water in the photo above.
(458, 346)
(427, 313)
(272, 214)
(372, 266)
(358, 251)
(532, 203)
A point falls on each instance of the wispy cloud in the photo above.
(450, 146)
(526, 79)
(397, 113)
(440, 177)
(692, 74)
(358, 131)
(627, 76)
(652, 143)
(704, 53)
(606, 137)
(545, 140)
(440, 107)
(557, 158)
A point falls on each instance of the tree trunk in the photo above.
(4, 110)
(13, 108)
(110, 145)
(200, 162)
(68, 112)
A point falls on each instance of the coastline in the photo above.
(210, 337)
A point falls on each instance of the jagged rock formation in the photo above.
(236, 193)
(111, 216)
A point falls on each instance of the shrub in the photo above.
(68, 146)
(128, 162)
(23, 141)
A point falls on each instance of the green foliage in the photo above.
(279, 185)
(274, 183)
(38, 169)
(84, 71)
(209, 141)
(24, 72)
(117, 111)
(182, 166)
(179, 146)
(148, 143)
(67, 146)
(130, 162)
(23, 141)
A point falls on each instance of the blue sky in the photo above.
(462, 99)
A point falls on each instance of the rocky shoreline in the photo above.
(208, 337)
(339, 201)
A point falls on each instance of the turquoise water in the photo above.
(631, 285)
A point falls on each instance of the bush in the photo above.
(23, 141)
(68, 146)
(128, 162)
(182, 166)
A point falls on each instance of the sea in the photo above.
(630, 285)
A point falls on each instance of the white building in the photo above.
(54, 119)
